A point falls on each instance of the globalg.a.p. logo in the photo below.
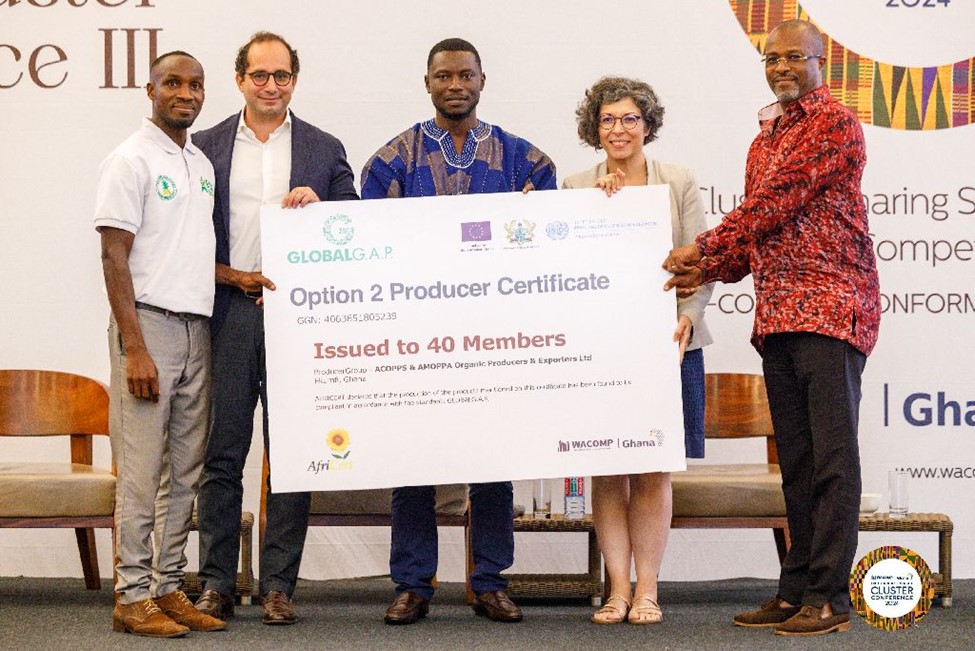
(338, 229)
(913, 98)
(165, 187)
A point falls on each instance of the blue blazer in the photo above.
(317, 161)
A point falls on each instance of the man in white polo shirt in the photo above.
(153, 206)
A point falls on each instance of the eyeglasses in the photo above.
(773, 60)
(629, 122)
(281, 77)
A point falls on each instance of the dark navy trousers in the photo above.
(413, 555)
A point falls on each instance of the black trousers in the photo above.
(239, 383)
(813, 385)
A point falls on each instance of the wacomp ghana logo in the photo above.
(165, 187)
(913, 98)
(338, 229)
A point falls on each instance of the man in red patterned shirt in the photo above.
(801, 232)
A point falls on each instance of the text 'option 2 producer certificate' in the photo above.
(470, 338)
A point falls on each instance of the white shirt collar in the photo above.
(162, 139)
(243, 129)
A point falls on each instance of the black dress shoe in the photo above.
(407, 608)
(278, 609)
(215, 604)
(497, 606)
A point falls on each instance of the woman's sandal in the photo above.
(610, 614)
(645, 611)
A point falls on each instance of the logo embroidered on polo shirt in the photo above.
(206, 185)
(165, 187)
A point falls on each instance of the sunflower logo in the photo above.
(338, 441)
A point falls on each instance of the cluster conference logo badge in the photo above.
(892, 588)
(891, 95)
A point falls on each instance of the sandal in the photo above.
(610, 614)
(646, 611)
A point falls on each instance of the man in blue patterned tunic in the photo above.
(453, 153)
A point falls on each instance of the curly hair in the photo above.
(609, 90)
(240, 63)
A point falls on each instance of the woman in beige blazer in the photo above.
(633, 512)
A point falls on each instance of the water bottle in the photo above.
(575, 498)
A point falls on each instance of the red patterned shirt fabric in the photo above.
(802, 230)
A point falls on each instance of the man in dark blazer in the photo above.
(262, 155)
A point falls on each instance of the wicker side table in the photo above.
(577, 586)
(930, 522)
(245, 577)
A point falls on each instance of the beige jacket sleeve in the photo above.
(686, 220)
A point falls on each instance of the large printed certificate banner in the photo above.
(471, 338)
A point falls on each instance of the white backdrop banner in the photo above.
(72, 78)
(471, 338)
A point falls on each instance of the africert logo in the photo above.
(165, 187)
(520, 231)
(338, 442)
(882, 94)
(338, 229)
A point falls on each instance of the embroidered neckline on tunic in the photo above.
(467, 155)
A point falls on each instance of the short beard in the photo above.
(458, 116)
(177, 123)
(787, 96)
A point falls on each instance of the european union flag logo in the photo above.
(475, 232)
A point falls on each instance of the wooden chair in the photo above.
(734, 496)
(44, 494)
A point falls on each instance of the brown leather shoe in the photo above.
(497, 606)
(769, 613)
(278, 609)
(145, 618)
(215, 604)
(810, 621)
(181, 610)
(407, 608)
